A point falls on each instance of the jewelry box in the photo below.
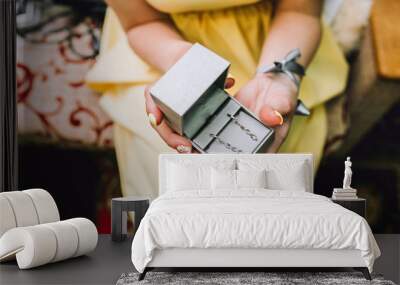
(192, 97)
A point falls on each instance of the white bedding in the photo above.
(251, 218)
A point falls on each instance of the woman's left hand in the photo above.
(273, 98)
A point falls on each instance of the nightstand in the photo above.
(119, 214)
(358, 205)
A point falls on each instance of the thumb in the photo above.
(270, 117)
(154, 113)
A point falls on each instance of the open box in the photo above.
(192, 97)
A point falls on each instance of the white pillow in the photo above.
(223, 179)
(251, 178)
(181, 177)
(189, 175)
(237, 179)
(292, 180)
(282, 174)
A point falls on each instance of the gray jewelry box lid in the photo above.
(178, 90)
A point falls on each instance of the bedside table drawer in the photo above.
(358, 206)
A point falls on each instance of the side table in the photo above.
(119, 214)
(357, 205)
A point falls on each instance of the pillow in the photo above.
(191, 174)
(237, 179)
(251, 178)
(292, 180)
(281, 174)
(223, 179)
(181, 177)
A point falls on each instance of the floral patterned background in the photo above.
(65, 137)
(54, 52)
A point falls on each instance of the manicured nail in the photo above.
(184, 149)
(152, 120)
(280, 117)
(229, 81)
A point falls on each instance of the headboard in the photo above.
(209, 158)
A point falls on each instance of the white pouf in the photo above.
(7, 218)
(45, 205)
(67, 240)
(23, 208)
(87, 233)
(31, 231)
(40, 244)
(33, 246)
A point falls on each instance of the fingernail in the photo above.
(231, 78)
(280, 117)
(229, 83)
(184, 149)
(152, 120)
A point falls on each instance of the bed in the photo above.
(244, 210)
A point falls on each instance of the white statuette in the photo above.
(347, 192)
(347, 174)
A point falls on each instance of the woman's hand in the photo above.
(273, 99)
(174, 140)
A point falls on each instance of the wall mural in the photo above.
(65, 137)
(56, 45)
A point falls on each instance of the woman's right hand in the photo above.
(172, 139)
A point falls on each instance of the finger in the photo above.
(229, 82)
(275, 145)
(279, 137)
(270, 117)
(283, 104)
(154, 113)
(246, 100)
(174, 140)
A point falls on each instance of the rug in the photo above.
(243, 278)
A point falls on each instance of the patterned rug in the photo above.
(243, 278)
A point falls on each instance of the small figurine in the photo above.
(347, 174)
(347, 192)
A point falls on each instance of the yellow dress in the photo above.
(236, 30)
